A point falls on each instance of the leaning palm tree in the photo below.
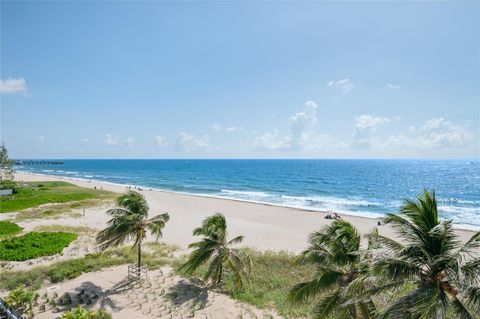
(215, 247)
(444, 273)
(341, 274)
(130, 222)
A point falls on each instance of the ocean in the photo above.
(358, 187)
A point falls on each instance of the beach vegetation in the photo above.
(22, 299)
(340, 269)
(6, 166)
(130, 222)
(443, 274)
(217, 250)
(158, 255)
(33, 194)
(34, 245)
(81, 313)
(64, 228)
(271, 277)
(8, 228)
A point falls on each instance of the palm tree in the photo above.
(444, 272)
(130, 222)
(215, 247)
(340, 275)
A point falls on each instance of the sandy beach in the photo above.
(265, 227)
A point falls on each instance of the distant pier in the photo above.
(37, 162)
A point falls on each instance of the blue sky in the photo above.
(240, 80)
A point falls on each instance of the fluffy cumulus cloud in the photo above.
(161, 141)
(434, 133)
(301, 134)
(13, 85)
(365, 127)
(345, 85)
(110, 139)
(269, 141)
(129, 142)
(191, 143)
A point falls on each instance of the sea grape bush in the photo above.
(34, 245)
(9, 229)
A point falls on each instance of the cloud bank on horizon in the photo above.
(180, 91)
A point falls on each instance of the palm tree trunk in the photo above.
(139, 246)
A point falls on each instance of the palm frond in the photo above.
(459, 310)
(236, 240)
(471, 271)
(239, 264)
(157, 223)
(471, 295)
(385, 242)
(318, 286)
(133, 202)
(328, 306)
(397, 269)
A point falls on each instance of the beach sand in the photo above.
(265, 227)
(162, 295)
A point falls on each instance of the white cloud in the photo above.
(301, 134)
(216, 127)
(41, 139)
(12, 86)
(161, 141)
(110, 139)
(234, 129)
(190, 143)
(269, 141)
(434, 133)
(365, 126)
(129, 142)
(345, 85)
(393, 86)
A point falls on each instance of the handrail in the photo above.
(6, 310)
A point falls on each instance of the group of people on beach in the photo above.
(138, 188)
(334, 216)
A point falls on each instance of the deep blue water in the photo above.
(359, 187)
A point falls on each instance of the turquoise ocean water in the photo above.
(358, 187)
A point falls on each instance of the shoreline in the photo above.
(265, 226)
(464, 227)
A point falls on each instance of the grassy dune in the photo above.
(155, 255)
(38, 193)
(273, 275)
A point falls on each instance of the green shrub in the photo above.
(34, 244)
(22, 300)
(8, 184)
(9, 229)
(81, 313)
